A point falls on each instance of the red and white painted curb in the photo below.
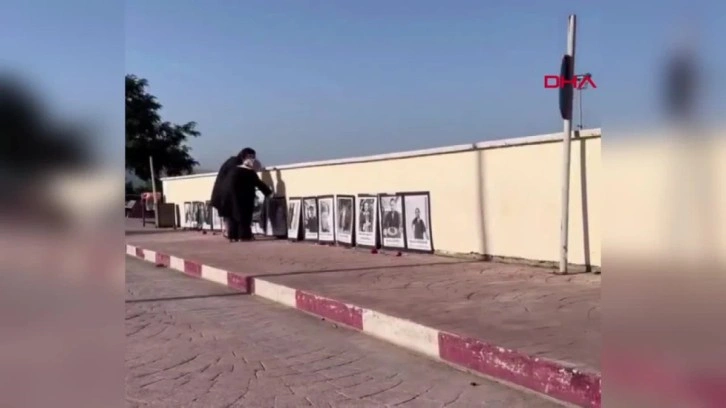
(547, 377)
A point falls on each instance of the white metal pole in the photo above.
(153, 191)
(567, 137)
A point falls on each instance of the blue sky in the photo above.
(305, 80)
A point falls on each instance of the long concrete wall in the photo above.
(499, 198)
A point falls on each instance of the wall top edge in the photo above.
(489, 144)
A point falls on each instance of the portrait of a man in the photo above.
(290, 214)
(345, 214)
(417, 210)
(392, 219)
(367, 206)
(311, 218)
(325, 218)
(419, 226)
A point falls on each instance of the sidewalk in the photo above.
(472, 314)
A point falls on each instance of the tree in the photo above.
(148, 135)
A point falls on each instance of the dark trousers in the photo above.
(240, 229)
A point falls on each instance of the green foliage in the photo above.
(148, 135)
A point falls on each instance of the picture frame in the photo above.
(177, 217)
(198, 208)
(206, 218)
(276, 217)
(258, 221)
(294, 218)
(391, 221)
(310, 218)
(188, 215)
(326, 219)
(366, 221)
(216, 220)
(345, 220)
(417, 215)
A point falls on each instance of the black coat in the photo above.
(244, 182)
(221, 192)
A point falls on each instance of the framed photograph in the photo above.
(258, 222)
(417, 213)
(178, 223)
(194, 218)
(216, 220)
(294, 205)
(310, 218)
(366, 221)
(326, 219)
(344, 219)
(200, 214)
(276, 217)
(391, 221)
(188, 215)
(206, 209)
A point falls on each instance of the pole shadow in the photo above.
(481, 212)
(584, 201)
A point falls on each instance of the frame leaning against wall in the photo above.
(376, 230)
(320, 219)
(302, 217)
(297, 235)
(353, 224)
(429, 228)
(383, 245)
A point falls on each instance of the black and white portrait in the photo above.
(276, 217)
(418, 221)
(391, 221)
(293, 218)
(216, 220)
(344, 215)
(258, 226)
(326, 217)
(206, 211)
(366, 222)
(198, 210)
(310, 218)
(188, 215)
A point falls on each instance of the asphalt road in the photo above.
(191, 343)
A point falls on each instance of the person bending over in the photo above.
(244, 182)
(222, 191)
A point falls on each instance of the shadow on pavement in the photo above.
(168, 299)
(151, 231)
(367, 268)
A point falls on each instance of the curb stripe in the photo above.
(163, 260)
(176, 263)
(192, 268)
(149, 255)
(404, 333)
(276, 293)
(330, 309)
(240, 282)
(544, 376)
(540, 375)
(214, 274)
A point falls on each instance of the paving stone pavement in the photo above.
(192, 343)
(520, 307)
